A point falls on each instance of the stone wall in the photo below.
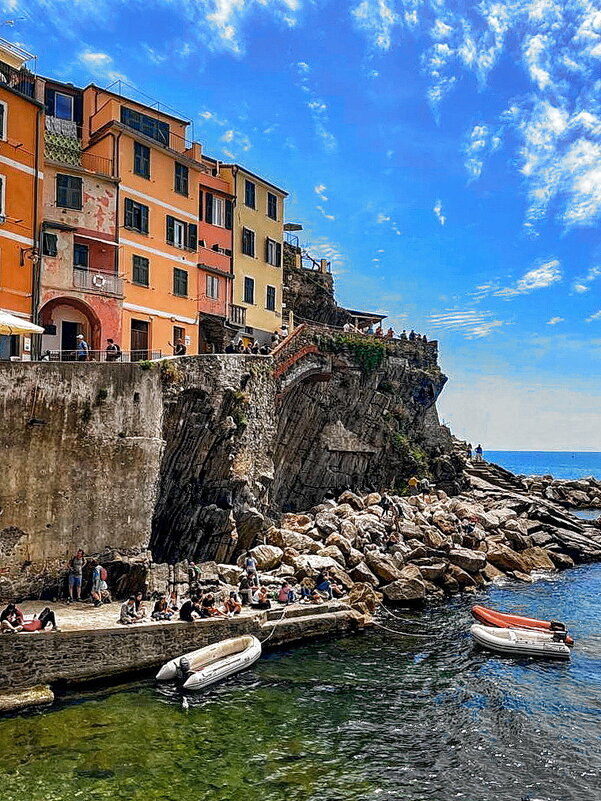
(80, 446)
(309, 294)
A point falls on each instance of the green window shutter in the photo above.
(129, 213)
(229, 214)
(267, 241)
(170, 229)
(144, 219)
(192, 236)
(209, 208)
(278, 254)
(200, 194)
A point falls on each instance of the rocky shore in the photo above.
(421, 547)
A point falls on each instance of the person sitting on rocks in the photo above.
(316, 597)
(128, 615)
(11, 619)
(260, 599)
(141, 608)
(307, 586)
(286, 594)
(403, 334)
(232, 605)
(100, 590)
(244, 588)
(208, 608)
(190, 610)
(323, 582)
(379, 332)
(161, 609)
(264, 349)
(230, 348)
(173, 601)
(41, 621)
(254, 348)
(390, 333)
(412, 336)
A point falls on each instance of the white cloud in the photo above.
(582, 285)
(377, 19)
(555, 320)
(325, 213)
(471, 323)
(438, 212)
(480, 143)
(227, 17)
(207, 115)
(101, 66)
(320, 190)
(538, 278)
(317, 106)
(382, 218)
(595, 316)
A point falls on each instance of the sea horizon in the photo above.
(559, 464)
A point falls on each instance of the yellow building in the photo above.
(258, 238)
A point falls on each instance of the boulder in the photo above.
(288, 538)
(504, 558)
(432, 571)
(344, 510)
(519, 576)
(229, 574)
(342, 577)
(348, 529)
(537, 559)
(433, 538)
(354, 558)
(309, 566)
(340, 542)
(289, 555)
(352, 499)
(335, 553)
(444, 522)
(383, 566)
(364, 598)
(561, 560)
(297, 522)
(462, 577)
(206, 573)
(362, 574)
(471, 561)
(408, 587)
(432, 591)
(491, 572)
(327, 523)
(267, 556)
(372, 499)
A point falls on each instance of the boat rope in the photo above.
(279, 620)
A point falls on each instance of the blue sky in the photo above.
(445, 156)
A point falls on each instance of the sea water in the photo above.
(560, 464)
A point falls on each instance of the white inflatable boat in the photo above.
(212, 663)
(519, 642)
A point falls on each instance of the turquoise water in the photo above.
(560, 464)
(378, 717)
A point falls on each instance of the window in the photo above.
(248, 242)
(149, 126)
(69, 192)
(217, 211)
(63, 106)
(249, 194)
(80, 256)
(141, 160)
(180, 282)
(178, 333)
(3, 120)
(141, 270)
(272, 206)
(136, 216)
(273, 252)
(181, 234)
(181, 179)
(212, 287)
(249, 289)
(270, 298)
(49, 244)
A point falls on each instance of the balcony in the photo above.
(103, 283)
(21, 81)
(237, 315)
(63, 145)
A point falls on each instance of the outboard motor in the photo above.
(557, 626)
(183, 669)
(559, 636)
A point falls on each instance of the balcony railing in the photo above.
(21, 81)
(92, 281)
(124, 356)
(237, 315)
(61, 144)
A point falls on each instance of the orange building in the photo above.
(21, 120)
(82, 292)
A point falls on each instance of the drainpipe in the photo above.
(234, 202)
(36, 254)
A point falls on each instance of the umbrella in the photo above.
(9, 324)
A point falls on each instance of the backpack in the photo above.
(103, 574)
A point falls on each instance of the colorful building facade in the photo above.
(21, 175)
(258, 243)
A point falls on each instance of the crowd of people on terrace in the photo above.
(246, 345)
(379, 333)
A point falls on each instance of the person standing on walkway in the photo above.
(113, 351)
(469, 453)
(479, 453)
(83, 349)
(76, 566)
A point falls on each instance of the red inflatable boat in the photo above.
(490, 617)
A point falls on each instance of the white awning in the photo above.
(9, 324)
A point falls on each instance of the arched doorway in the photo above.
(64, 318)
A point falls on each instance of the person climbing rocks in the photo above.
(413, 483)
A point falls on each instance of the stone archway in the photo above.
(49, 314)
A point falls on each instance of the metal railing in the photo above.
(94, 163)
(65, 148)
(94, 281)
(124, 356)
(237, 315)
(22, 81)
